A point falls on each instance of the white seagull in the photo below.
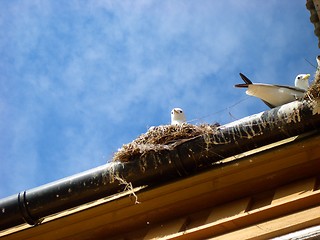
(276, 95)
(177, 116)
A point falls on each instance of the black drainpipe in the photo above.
(187, 157)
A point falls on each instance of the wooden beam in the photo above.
(276, 227)
(225, 228)
(227, 182)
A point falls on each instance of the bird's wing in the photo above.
(268, 104)
(249, 82)
(274, 95)
(246, 85)
(291, 87)
(271, 94)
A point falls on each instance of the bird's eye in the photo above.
(180, 111)
(171, 112)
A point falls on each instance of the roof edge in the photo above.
(155, 168)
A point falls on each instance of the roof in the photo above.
(271, 181)
(314, 7)
(249, 160)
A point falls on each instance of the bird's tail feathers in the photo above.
(245, 79)
(242, 85)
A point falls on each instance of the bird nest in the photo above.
(167, 136)
(314, 90)
(161, 138)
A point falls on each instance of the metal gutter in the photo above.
(157, 168)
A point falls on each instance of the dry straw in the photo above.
(159, 138)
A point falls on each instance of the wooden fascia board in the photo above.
(236, 179)
(224, 226)
(277, 227)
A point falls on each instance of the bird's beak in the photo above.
(175, 111)
(306, 77)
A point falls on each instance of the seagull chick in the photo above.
(177, 116)
(276, 95)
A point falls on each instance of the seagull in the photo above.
(177, 116)
(276, 95)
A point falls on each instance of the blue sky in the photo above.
(80, 78)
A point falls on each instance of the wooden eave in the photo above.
(273, 182)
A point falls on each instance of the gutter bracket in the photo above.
(23, 206)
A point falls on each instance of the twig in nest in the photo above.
(128, 187)
(161, 138)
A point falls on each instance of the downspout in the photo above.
(186, 158)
